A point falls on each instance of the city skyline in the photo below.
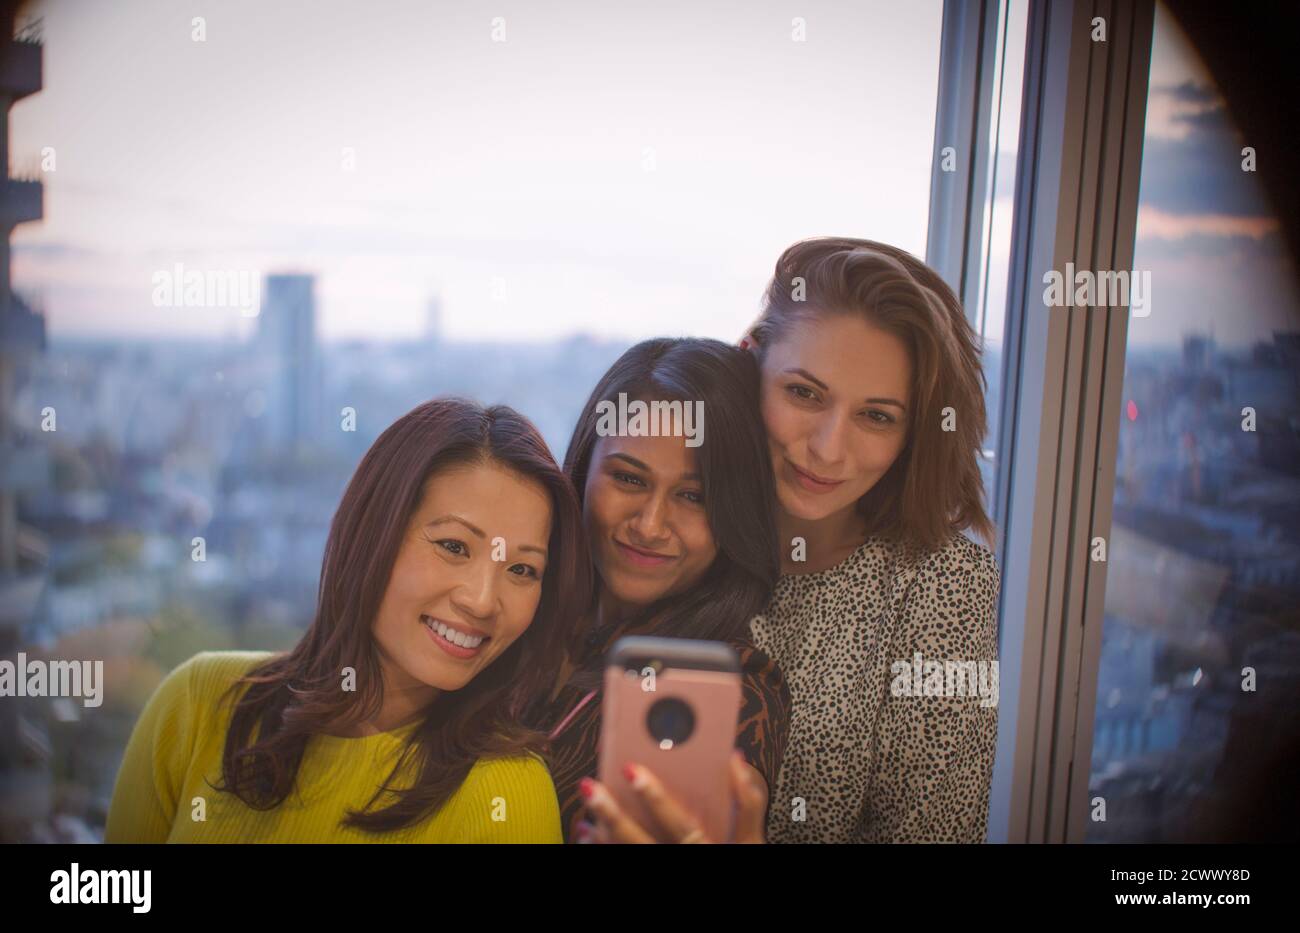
(440, 161)
(523, 242)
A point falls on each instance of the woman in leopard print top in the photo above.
(863, 764)
(884, 620)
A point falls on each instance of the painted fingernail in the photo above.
(587, 788)
(636, 776)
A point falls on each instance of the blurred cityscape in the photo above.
(161, 498)
(122, 462)
(1198, 683)
(244, 445)
(1203, 581)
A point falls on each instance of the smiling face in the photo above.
(644, 509)
(836, 403)
(450, 608)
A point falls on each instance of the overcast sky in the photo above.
(615, 169)
(524, 160)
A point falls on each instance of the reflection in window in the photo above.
(1200, 649)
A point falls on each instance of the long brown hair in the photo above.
(735, 470)
(297, 695)
(934, 489)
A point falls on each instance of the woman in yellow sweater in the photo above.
(454, 565)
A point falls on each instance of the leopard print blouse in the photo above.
(881, 747)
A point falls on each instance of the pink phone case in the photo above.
(643, 721)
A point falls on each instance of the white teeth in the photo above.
(453, 636)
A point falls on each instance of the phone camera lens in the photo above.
(671, 722)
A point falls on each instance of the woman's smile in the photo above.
(459, 641)
(811, 481)
(642, 557)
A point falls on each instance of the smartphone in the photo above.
(672, 705)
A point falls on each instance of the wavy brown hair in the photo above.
(294, 696)
(934, 489)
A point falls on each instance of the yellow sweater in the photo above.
(162, 794)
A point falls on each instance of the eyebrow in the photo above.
(825, 388)
(478, 532)
(641, 466)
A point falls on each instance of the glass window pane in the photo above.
(990, 311)
(1200, 650)
(464, 206)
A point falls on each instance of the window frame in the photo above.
(1083, 115)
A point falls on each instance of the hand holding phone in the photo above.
(672, 706)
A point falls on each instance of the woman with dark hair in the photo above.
(454, 568)
(884, 619)
(683, 537)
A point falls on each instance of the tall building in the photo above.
(25, 749)
(22, 330)
(286, 339)
(1198, 351)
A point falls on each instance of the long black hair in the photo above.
(736, 468)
